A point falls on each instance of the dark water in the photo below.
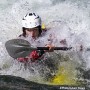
(8, 82)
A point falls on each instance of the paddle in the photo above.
(21, 48)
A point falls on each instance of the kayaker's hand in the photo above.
(34, 56)
(51, 48)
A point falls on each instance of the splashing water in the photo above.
(66, 20)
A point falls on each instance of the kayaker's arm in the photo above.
(36, 54)
(33, 56)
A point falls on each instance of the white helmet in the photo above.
(31, 20)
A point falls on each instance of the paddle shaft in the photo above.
(55, 48)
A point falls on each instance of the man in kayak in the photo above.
(31, 27)
(32, 30)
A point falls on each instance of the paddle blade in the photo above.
(18, 48)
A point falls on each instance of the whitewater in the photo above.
(65, 19)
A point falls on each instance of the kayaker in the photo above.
(32, 30)
(31, 27)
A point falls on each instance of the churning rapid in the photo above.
(64, 19)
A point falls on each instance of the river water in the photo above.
(66, 19)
